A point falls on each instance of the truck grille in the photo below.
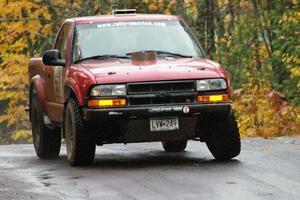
(168, 92)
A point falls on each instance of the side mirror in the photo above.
(52, 58)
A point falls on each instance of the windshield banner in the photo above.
(131, 23)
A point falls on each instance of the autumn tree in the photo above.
(23, 28)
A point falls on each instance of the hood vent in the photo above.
(143, 57)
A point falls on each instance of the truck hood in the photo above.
(124, 71)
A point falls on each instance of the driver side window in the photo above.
(61, 42)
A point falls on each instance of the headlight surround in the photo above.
(108, 90)
(211, 84)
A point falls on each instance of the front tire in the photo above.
(46, 141)
(174, 146)
(223, 137)
(80, 147)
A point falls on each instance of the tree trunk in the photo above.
(210, 27)
(201, 24)
(256, 32)
(180, 8)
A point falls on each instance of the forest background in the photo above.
(258, 41)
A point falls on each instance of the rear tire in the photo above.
(223, 137)
(174, 146)
(46, 141)
(80, 148)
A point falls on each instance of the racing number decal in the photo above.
(58, 86)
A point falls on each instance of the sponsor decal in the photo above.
(115, 113)
(58, 84)
(165, 109)
(131, 23)
(185, 109)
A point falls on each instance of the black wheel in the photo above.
(46, 141)
(80, 147)
(174, 146)
(223, 137)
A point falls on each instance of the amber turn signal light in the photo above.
(212, 98)
(107, 102)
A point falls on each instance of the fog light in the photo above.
(107, 102)
(213, 98)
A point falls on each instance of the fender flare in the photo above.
(72, 87)
(37, 86)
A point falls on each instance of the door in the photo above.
(54, 79)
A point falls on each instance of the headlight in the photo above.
(108, 90)
(211, 84)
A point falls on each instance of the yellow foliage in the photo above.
(153, 7)
(170, 6)
(160, 4)
(21, 135)
(296, 71)
(244, 4)
(191, 7)
(17, 39)
(260, 115)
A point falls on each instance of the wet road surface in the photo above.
(266, 169)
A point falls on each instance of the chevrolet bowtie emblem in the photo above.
(162, 94)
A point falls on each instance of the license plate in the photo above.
(164, 124)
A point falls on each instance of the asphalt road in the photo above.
(266, 169)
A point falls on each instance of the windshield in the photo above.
(121, 38)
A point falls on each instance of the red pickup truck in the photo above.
(126, 78)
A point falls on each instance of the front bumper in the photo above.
(131, 124)
(188, 110)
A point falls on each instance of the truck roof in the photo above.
(133, 17)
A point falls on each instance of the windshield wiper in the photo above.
(167, 53)
(173, 54)
(101, 57)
